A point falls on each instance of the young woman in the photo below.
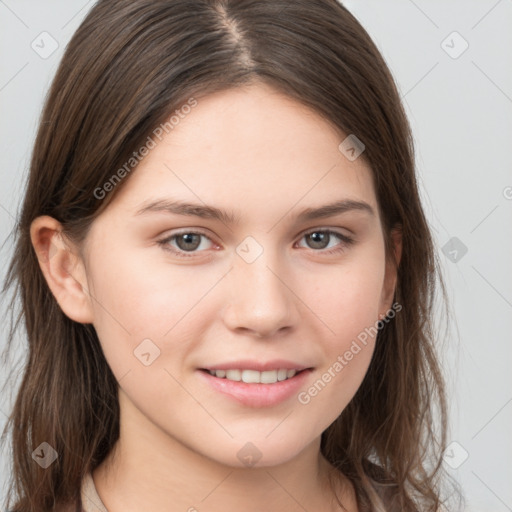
(225, 272)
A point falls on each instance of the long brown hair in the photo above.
(128, 67)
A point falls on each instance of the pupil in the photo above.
(188, 238)
(318, 238)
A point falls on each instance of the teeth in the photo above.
(253, 376)
(281, 375)
(233, 375)
(268, 377)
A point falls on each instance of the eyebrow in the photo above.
(230, 217)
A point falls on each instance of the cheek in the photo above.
(134, 302)
(347, 301)
(347, 297)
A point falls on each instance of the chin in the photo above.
(258, 452)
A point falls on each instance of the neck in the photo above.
(149, 470)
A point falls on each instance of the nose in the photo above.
(261, 299)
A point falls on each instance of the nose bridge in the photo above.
(260, 300)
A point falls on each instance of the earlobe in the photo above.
(62, 268)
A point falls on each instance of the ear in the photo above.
(390, 278)
(62, 268)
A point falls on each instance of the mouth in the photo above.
(257, 385)
(255, 376)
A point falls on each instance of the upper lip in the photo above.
(276, 364)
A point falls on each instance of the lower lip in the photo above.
(257, 395)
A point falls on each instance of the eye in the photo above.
(321, 238)
(186, 241)
(191, 241)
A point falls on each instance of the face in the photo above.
(253, 282)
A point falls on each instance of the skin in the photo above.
(266, 157)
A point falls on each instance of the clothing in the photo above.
(91, 502)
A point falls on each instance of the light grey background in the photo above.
(460, 107)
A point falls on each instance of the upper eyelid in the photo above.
(336, 231)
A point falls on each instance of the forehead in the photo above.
(252, 147)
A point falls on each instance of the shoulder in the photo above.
(388, 491)
(68, 507)
(78, 505)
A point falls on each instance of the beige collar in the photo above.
(91, 502)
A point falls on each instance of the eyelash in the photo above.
(345, 242)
